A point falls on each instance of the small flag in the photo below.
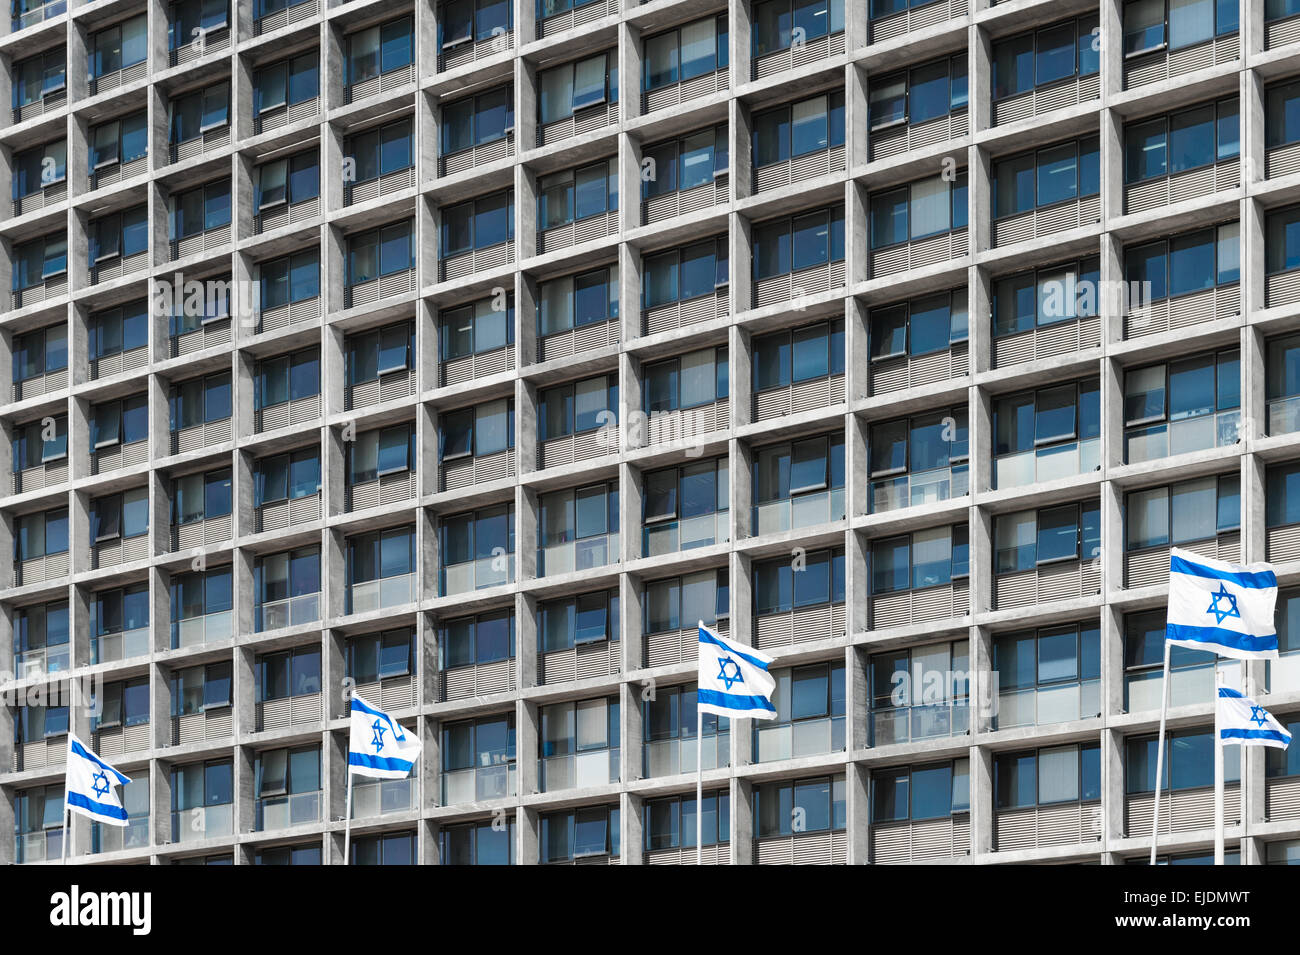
(379, 746)
(733, 679)
(1242, 720)
(90, 786)
(1220, 607)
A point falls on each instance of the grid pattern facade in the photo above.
(871, 446)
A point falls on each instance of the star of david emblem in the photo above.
(100, 780)
(1258, 716)
(380, 729)
(728, 678)
(1216, 607)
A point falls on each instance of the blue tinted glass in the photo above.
(1191, 263)
(928, 95)
(931, 792)
(890, 568)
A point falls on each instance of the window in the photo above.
(288, 673)
(1280, 763)
(1053, 53)
(386, 350)
(380, 556)
(288, 787)
(38, 821)
(35, 169)
(923, 559)
(579, 407)
(803, 127)
(1048, 776)
(1049, 675)
(920, 94)
(809, 720)
(680, 603)
(1188, 139)
(1181, 513)
(1282, 496)
(287, 378)
(190, 19)
(279, 581)
(685, 501)
(380, 452)
(380, 252)
(119, 141)
(115, 613)
(40, 353)
(294, 278)
(579, 743)
(686, 163)
(194, 114)
(564, 90)
(1282, 363)
(388, 848)
(919, 460)
(190, 312)
(381, 656)
(1047, 433)
(670, 823)
(200, 497)
(1187, 263)
(286, 477)
(1188, 763)
(778, 22)
(379, 49)
(464, 21)
(1282, 241)
(36, 723)
(198, 595)
(801, 354)
(925, 208)
(123, 704)
(478, 759)
(921, 693)
(37, 443)
(919, 327)
(484, 536)
(819, 802)
(41, 634)
(779, 588)
(578, 529)
(119, 422)
(116, 330)
(477, 328)
(1282, 114)
(1151, 25)
(1061, 173)
(42, 534)
(120, 234)
(1280, 9)
(1027, 539)
(380, 151)
(691, 50)
(695, 379)
(805, 473)
(41, 259)
(578, 300)
(782, 246)
(918, 793)
(200, 401)
(580, 833)
(1160, 401)
(567, 622)
(289, 855)
(477, 120)
(577, 194)
(483, 429)
(197, 211)
(118, 47)
(682, 274)
(286, 181)
(1046, 296)
(469, 641)
(40, 76)
(120, 516)
(287, 83)
(478, 224)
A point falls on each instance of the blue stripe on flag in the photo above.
(706, 637)
(1224, 638)
(390, 763)
(359, 704)
(1259, 580)
(734, 701)
(1230, 733)
(108, 812)
(1231, 694)
(90, 757)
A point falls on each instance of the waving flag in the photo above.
(1220, 607)
(1242, 720)
(379, 746)
(90, 785)
(733, 679)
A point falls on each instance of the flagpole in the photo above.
(347, 820)
(1218, 770)
(1160, 754)
(63, 848)
(699, 781)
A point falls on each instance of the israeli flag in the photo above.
(733, 679)
(379, 746)
(1242, 720)
(1221, 607)
(91, 786)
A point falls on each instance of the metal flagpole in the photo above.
(63, 849)
(1160, 754)
(347, 820)
(699, 781)
(1218, 770)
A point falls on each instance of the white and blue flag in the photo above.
(1220, 607)
(1242, 720)
(91, 786)
(733, 679)
(380, 747)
